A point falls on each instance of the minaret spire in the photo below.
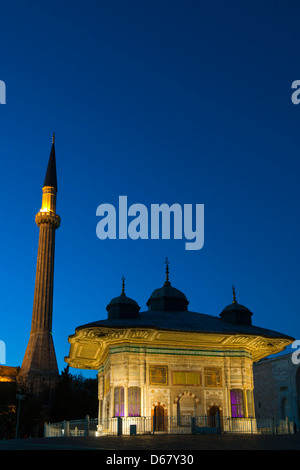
(39, 368)
(50, 178)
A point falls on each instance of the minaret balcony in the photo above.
(47, 217)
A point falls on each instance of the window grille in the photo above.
(119, 401)
(237, 408)
(134, 401)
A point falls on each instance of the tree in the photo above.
(8, 406)
(74, 397)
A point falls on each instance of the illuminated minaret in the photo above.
(39, 369)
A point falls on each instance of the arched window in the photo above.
(237, 406)
(186, 409)
(134, 401)
(119, 401)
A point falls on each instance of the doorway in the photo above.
(159, 418)
(213, 417)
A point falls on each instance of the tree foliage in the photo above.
(74, 397)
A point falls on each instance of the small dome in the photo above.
(122, 306)
(168, 291)
(167, 298)
(236, 313)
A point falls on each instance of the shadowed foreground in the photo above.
(150, 443)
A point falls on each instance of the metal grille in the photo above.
(131, 425)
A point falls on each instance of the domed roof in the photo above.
(122, 299)
(236, 313)
(167, 291)
(235, 307)
(122, 306)
(167, 298)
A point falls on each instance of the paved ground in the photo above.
(150, 443)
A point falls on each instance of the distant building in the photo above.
(9, 374)
(168, 361)
(277, 388)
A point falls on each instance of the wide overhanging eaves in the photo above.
(90, 342)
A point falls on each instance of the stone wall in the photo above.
(276, 393)
(194, 380)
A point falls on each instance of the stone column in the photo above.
(100, 398)
(126, 400)
(142, 399)
(112, 402)
(227, 385)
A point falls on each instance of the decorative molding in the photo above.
(189, 394)
(47, 218)
(186, 377)
(159, 403)
(158, 375)
(140, 334)
(177, 351)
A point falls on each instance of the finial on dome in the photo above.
(234, 297)
(53, 138)
(123, 285)
(167, 282)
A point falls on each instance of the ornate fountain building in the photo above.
(170, 362)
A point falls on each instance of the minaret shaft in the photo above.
(43, 292)
(39, 369)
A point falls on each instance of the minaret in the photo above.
(39, 370)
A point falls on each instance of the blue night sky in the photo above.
(172, 101)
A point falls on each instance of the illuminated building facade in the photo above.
(170, 362)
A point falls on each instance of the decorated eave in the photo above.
(172, 329)
(190, 331)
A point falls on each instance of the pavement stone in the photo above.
(148, 444)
